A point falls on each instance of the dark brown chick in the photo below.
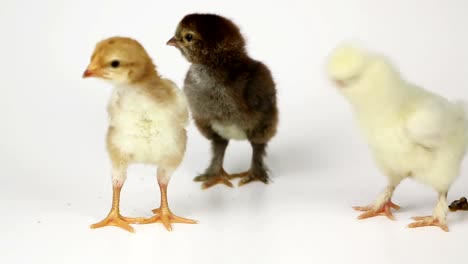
(230, 95)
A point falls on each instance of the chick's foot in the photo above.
(384, 210)
(421, 221)
(249, 176)
(211, 179)
(166, 217)
(115, 219)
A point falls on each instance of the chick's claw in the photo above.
(114, 220)
(218, 180)
(251, 178)
(421, 221)
(385, 210)
(166, 218)
(223, 177)
(248, 177)
(210, 180)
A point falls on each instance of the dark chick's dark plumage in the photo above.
(230, 95)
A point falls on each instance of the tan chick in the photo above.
(148, 115)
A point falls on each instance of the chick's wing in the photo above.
(260, 92)
(431, 121)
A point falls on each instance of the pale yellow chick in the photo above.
(148, 116)
(412, 133)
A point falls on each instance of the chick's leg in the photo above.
(257, 171)
(437, 219)
(114, 218)
(163, 213)
(382, 205)
(215, 173)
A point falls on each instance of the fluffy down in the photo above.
(147, 130)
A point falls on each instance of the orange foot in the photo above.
(385, 210)
(165, 217)
(213, 179)
(115, 219)
(427, 221)
(248, 177)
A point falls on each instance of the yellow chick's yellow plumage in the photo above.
(148, 115)
(411, 132)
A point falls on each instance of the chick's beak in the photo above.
(172, 42)
(340, 83)
(92, 71)
(88, 73)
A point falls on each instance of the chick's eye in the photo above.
(189, 37)
(115, 64)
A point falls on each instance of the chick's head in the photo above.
(346, 63)
(120, 60)
(358, 72)
(205, 38)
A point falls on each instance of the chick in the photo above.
(411, 132)
(148, 116)
(230, 95)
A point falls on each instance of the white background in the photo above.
(55, 174)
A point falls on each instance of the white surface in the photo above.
(55, 178)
